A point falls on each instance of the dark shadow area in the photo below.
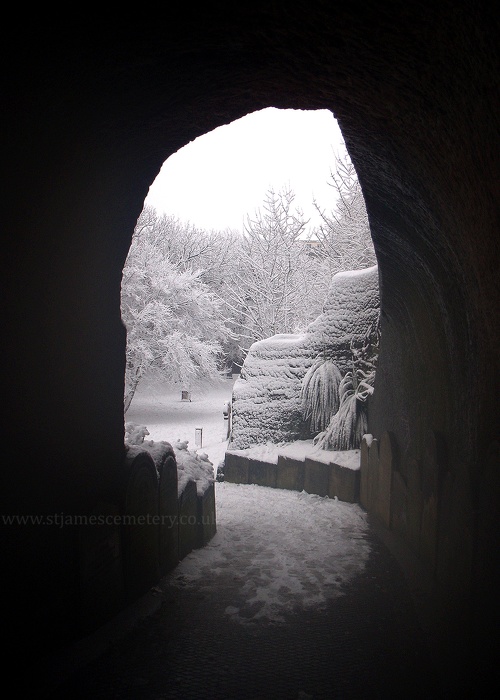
(365, 644)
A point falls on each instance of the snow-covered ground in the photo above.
(282, 550)
(167, 417)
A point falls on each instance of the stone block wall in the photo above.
(413, 497)
(126, 547)
(321, 478)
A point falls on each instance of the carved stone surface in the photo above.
(399, 504)
(384, 479)
(372, 477)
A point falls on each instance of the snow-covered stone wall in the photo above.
(266, 398)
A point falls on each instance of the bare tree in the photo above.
(273, 287)
(343, 237)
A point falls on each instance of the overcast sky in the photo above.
(219, 178)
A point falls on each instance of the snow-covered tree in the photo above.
(343, 236)
(276, 287)
(188, 247)
(174, 322)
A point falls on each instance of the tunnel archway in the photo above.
(89, 122)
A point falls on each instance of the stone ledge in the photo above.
(320, 478)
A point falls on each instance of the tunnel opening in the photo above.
(268, 276)
(283, 550)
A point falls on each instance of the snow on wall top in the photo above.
(191, 466)
(299, 450)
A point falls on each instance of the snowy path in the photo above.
(293, 599)
(284, 550)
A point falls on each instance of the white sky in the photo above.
(215, 181)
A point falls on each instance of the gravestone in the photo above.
(261, 473)
(364, 468)
(343, 483)
(399, 504)
(206, 516)
(235, 468)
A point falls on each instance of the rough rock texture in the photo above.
(266, 397)
(91, 111)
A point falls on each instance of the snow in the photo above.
(283, 551)
(158, 419)
(300, 449)
(192, 466)
(368, 438)
(158, 406)
(358, 274)
(280, 340)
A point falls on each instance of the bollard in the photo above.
(227, 418)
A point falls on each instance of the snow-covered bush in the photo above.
(319, 394)
(348, 425)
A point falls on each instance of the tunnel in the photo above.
(92, 109)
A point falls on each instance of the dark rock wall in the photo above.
(91, 111)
